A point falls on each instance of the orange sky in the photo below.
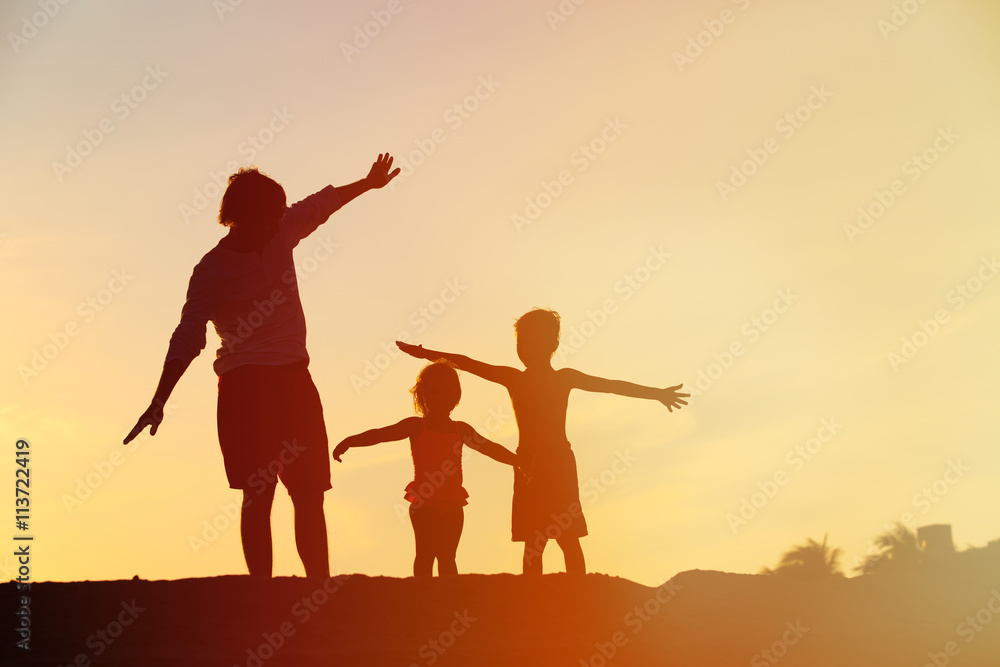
(784, 204)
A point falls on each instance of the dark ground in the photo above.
(698, 618)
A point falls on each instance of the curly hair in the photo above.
(250, 195)
(440, 379)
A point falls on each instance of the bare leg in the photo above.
(450, 534)
(573, 553)
(531, 563)
(423, 561)
(310, 532)
(255, 530)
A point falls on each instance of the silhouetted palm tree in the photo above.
(812, 560)
(898, 551)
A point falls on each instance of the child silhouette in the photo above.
(436, 493)
(546, 502)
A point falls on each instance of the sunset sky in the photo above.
(787, 206)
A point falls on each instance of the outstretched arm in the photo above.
(398, 431)
(172, 372)
(377, 177)
(499, 374)
(669, 396)
(494, 450)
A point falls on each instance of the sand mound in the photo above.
(698, 618)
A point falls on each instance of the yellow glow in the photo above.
(546, 87)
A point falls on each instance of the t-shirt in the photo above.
(252, 297)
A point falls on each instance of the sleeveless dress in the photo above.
(437, 470)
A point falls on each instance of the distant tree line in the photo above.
(898, 549)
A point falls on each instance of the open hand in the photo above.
(380, 174)
(417, 351)
(151, 417)
(672, 399)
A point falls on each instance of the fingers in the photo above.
(673, 403)
(383, 168)
(412, 350)
(149, 418)
(136, 430)
(673, 398)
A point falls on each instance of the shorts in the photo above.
(546, 502)
(271, 427)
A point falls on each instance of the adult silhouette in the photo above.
(270, 419)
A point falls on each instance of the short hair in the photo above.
(539, 325)
(249, 194)
(438, 376)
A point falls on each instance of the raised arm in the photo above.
(669, 396)
(398, 431)
(377, 177)
(499, 374)
(494, 450)
(302, 218)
